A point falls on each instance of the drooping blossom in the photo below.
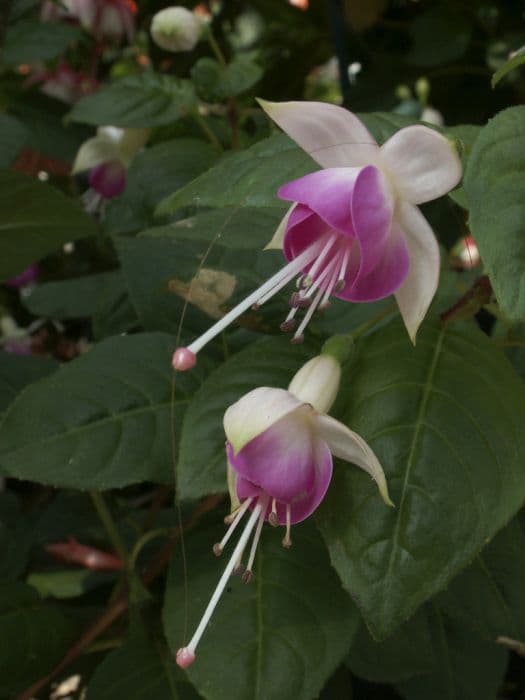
(279, 449)
(110, 20)
(354, 230)
(65, 84)
(107, 156)
(176, 29)
(24, 279)
(72, 552)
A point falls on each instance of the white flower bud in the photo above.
(176, 29)
(317, 382)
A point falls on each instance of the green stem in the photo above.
(111, 528)
(216, 48)
(143, 541)
(209, 133)
(365, 327)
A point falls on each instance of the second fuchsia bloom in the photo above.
(354, 230)
(279, 447)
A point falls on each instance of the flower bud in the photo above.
(176, 29)
(317, 382)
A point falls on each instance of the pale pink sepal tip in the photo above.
(184, 657)
(183, 359)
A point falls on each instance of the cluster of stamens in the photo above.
(186, 655)
(326, 261)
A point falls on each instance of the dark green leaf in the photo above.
(16, 536)
(279, 637)
(465, 667)
(141, 669)
(74, 298)
(102, 422)
(29, 41)
(143, 100)
(444, 419)
(17, 371)
(408, 652)
(488, 595)
(153, 174)
(35, 635)
(495, 188)
(35, 219)
(201, 468)
(232, 227)
(13, 136)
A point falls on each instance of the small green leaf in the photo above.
(35, 635)
(495, 188)
(153, 174)
(69, 583)
(214, 82)
(29, 41)
(279, 637)
(102, 422)
(515, 62)
(35, 220)
(445, 420)
(201, 468)
(13, 136)
(143, 100)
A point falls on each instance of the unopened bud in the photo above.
(317, 382)
(176, 29)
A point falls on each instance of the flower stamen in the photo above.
(272, 518)
(219, 546)
(287, 540)
(248, 574)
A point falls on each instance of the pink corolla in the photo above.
(279, 448)
(354, 230)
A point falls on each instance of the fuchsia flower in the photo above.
(111, 20)
(354, 230)
(107, 156)
(279, 447)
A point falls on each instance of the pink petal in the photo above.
(423, 163)
(417, 291)
(108, 179)
(287, 462)
(388, 274)
(304, 228)
(332, 135)
(328, 193)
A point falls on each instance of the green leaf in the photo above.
(143, 100)
(35, 220)
(465, 667)
(515, 62)
(232, 227)
(102, 422)
(445, 420)
(69, 583)
(17, 371)
(74, 298)
(29, 41)
(35, 635)
(249, 178)
(13, 136)
(488, 595)
(140, 669)
(16, 535)
(279, 637)
(201, 468)
(214, 82)
(408, 652)
(153, 174)
(495, 188)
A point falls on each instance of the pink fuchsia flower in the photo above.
(279, 448)
(65, 84)
(107, 156)
(354, 230)
(392, 247)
